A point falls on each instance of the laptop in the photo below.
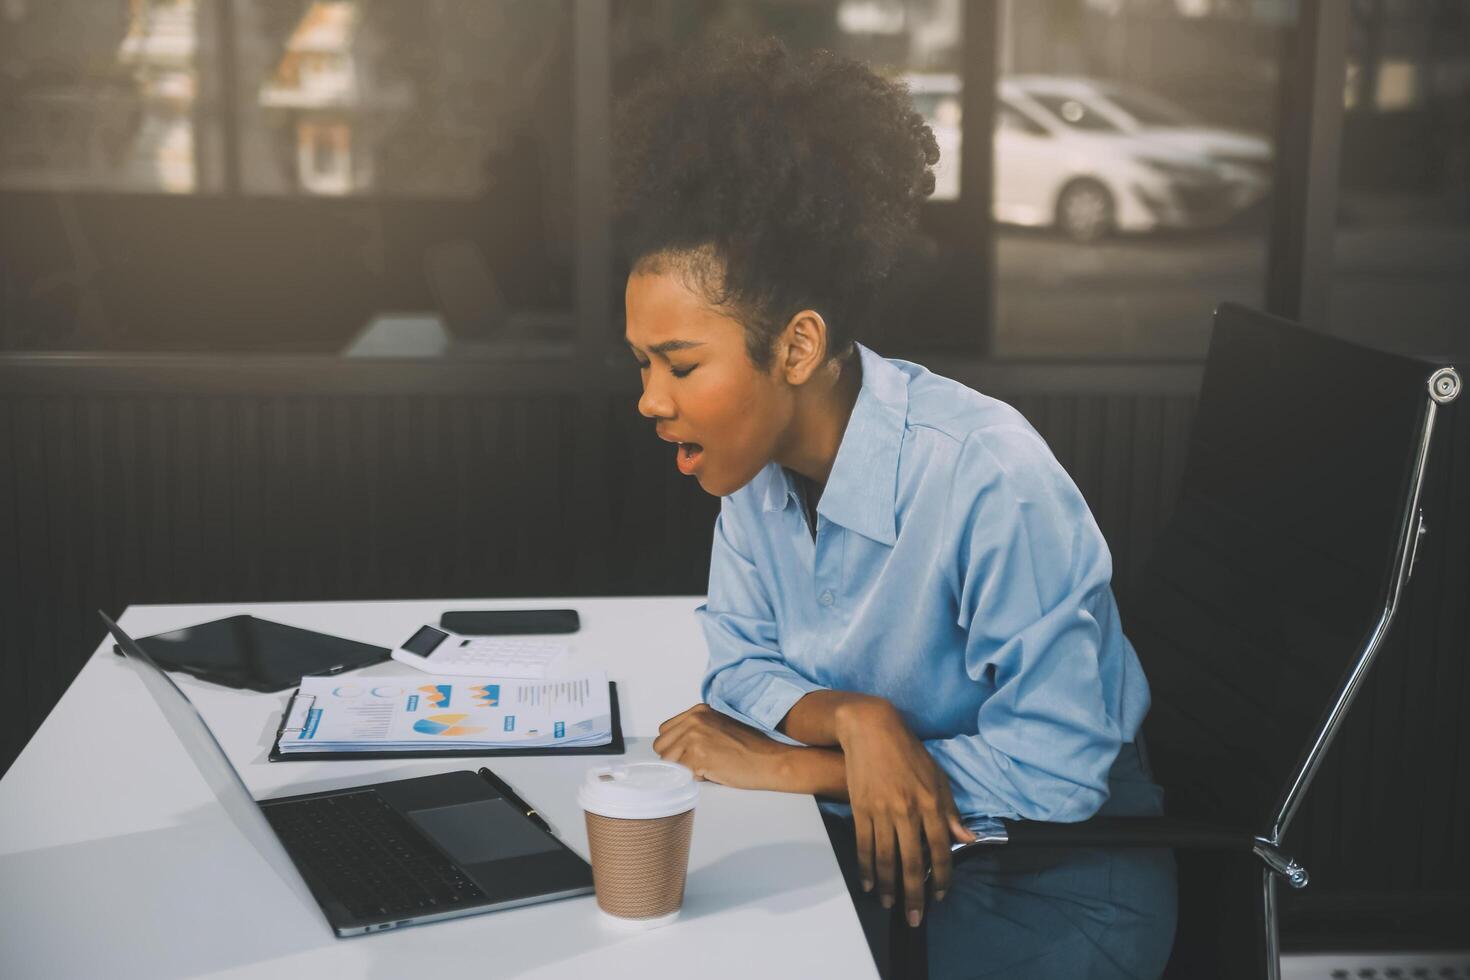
(383, 855)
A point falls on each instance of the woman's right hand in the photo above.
(901, 801)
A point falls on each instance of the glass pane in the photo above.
(403, 184)
(918, 41)
(382, 97)
(1133, 159)
(1401, 254)
(108, 96)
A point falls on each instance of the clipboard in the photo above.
(299, 703)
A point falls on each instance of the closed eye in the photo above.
(676, 372)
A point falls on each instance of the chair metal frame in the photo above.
(909, 950)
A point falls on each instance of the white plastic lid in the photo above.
(638, 790)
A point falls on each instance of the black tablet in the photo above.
(256, 654)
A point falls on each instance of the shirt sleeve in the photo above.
(747, 677)
(1034, 584)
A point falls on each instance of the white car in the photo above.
(1090, 157)
(1134, 111)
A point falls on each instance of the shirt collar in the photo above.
(862, 489)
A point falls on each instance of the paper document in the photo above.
(381, 714)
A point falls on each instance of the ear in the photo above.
(802, 348)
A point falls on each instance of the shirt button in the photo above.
(826, 598)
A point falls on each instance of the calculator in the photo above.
(436, 650)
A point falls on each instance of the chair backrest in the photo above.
(1274, 566)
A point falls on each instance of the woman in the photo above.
(909, 607)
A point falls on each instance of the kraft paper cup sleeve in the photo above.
(639, 867)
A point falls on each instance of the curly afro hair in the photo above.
(772, 183)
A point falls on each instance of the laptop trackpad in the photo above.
(485, 830)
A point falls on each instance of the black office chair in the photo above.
(1282, 567)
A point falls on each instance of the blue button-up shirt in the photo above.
(956, 572)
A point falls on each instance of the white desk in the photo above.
(116, 861)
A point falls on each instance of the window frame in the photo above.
(1299, 263)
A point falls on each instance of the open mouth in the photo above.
(689, 455)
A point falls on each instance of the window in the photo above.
(919, 42)
(158, 154)
(1146, 205)
(282, 175)
(436, 99)
(1403, 219)
(108, 97)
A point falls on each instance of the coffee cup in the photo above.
(640, 818)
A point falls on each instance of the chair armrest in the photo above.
(1129, 832)
(1110, 832)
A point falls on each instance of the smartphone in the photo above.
(511, 622)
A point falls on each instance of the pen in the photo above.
(504, 789)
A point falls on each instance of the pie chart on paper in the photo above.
(447, 725)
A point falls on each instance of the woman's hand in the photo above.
(900, 800)
(722, 750)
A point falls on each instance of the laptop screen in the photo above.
(211, 761)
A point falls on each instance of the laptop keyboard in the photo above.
(369, 857)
